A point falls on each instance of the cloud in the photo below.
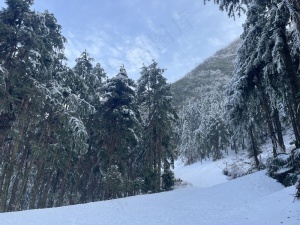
(115, 63)
(178, 35)
(140, 52)
(215, 42)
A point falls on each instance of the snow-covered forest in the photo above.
(75, 135)
(256, 101)
(72, 135)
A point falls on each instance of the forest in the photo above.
(75, 135)
(257, 100)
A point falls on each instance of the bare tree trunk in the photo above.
(13, 159)
(12, 205)
(23, 185)
(294, 83)
(265, 103)
(64, 181)
(36, 186)
(254, 147)
(278, 129)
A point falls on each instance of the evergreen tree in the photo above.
(113, 183)
(31, 47)
(98, 71)
(158, 114)
(188, 143)
(203, 130)
(120, 120)
(272, 40)
(268, 69)
(262, 67)
(44, 129)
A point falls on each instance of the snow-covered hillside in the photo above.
(209, 199)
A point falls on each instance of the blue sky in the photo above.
(178, 34)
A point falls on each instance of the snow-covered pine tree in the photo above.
(92, 78)
(99, 72)
(31, 46)
(38, 105)
(189, 118)
(158, 114)
(120, 121)
(257, 73)
(274, 26)
(272, 40)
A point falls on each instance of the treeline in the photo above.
(203, 130)
(73, 135)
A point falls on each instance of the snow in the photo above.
(283, 170)
(210, 200)
(204, 175)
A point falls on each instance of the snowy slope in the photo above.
(253, 199)
(204, 175)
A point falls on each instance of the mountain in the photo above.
(212, 75)
(200, 100)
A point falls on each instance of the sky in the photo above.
(177, 34)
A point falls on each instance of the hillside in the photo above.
(200, 100)
(211, 75)
(210, 199)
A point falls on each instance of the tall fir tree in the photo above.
(120, 120)
(158, 114)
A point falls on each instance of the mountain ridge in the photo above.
(213, 74)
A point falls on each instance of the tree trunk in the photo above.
(13, 158)
(36, 186)
(254, 147)
(294, 83)
(13, 206)
(87, 174)
(265, 103)
(278, 129)
(64, 181)
(74, 190)
(22, 191)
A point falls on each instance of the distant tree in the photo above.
(190, 121)
(203, 130)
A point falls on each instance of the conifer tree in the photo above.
(120, 120)
(44, 131)
(272, 40)
(158, 114)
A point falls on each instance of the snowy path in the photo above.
(253, 199)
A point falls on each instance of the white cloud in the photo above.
(141, 51)
(114, 64)
(215, 42)
(178, 35)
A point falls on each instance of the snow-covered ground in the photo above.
(209, 199)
